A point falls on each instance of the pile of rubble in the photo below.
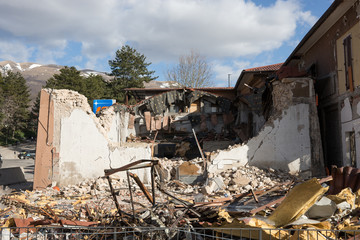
(232, 181)
(241, 197)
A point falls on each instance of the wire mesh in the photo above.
(190, 233)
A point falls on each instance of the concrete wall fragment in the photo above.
(285, 142)
(73, 144)
(46, 152)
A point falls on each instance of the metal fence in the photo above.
(140, 233)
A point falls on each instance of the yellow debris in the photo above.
(345, 195)
(223, 214)
(251, 229)
(322, 226)
(297, 202)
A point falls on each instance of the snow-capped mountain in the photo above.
(36, 74)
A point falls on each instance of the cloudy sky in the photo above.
(231, 34)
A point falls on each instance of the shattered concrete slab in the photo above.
(12, 175)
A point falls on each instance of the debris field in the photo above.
(247, 197)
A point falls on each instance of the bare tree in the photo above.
(192, 71)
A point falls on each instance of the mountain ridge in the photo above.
(37, 74)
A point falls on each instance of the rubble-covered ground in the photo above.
(240, 197)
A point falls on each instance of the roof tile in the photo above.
(273, 67)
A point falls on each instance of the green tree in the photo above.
(69, 78)
(193, 71)
(130, 70)
(14, 109)
(92, 87)
(34, 116)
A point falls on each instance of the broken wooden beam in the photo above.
(142, 187)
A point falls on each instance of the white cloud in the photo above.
(15, 51)
(161, 29)
(47, 56)
(307, 18)
(221, 71)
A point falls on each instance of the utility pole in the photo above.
(229, 79)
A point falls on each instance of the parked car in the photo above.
(27, 154)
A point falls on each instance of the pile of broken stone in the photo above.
(239, 197)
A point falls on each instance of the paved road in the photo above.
(27, 164)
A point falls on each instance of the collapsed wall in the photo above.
(290, 139)
(73, 144)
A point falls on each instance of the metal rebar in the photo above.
(153, 183)
(131, 196)
(114, 195)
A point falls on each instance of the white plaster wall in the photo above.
(119, 130)
(85, 152)
(283, 145)
(259, 122)
(114, 132)
(127, 154)
(83, 149)
(346, 112)
(349, 125)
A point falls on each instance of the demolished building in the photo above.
(271, 121)
(73, 144)
(300, 116)
(329, 55)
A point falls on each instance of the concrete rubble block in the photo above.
(324, 208)
(189, 173)
(11, 175)
(344, 206)
(214, 185)
(164, 173)
(239, 179)
(199, 197)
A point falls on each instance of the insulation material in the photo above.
(297, 202)
(314, 234)
(147, 120)
(308, 235)
(357, 199)
(131, 121)
(345, 195)
(249, 228)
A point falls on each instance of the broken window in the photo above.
(348, 64)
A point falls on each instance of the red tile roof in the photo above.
(273, 67)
